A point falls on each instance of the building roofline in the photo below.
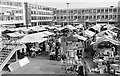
(88, 8)
(41, 5)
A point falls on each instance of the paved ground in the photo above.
(42, 65)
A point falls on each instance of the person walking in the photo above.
(81, 70)
(86, 68)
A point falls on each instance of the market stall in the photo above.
(106, 58)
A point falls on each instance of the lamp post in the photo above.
(68, 12)
(36, 13)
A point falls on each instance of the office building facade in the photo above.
(11, 13)
(18, 14)
(86, 15)
(38, 15)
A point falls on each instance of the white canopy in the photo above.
(105, 38)
(60, 28)
(39, 35)
(80, 37)
(15, 34)
(79, 26)
(97, 27)
(52, 27)
(27, 39)
(67, 26)
(38, 28)
(48, 33)
(70, 27)
(108, 32)
(89, 33)
(45, 25)
(58, 25)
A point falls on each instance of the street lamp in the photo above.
(68, 12)
(37, 14)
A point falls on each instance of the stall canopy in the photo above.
(39, 35)
(115, 42)
(80, 37)
(37, 28)
(89, 33)
(79, 26)
(29, 39)
(108, 33)
(58, 25)
(51, 27)
(70, 27)
(48, 33)
(97, 27)
(15, 34)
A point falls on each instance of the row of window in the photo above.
(41, 7)
(8, 18)
(41, 18)
(17, 11)
(11, 3)
(88, 17)
(40, 13)
(108, 10)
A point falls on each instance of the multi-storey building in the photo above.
(11, 13)
(86, 15)
(39, 15)
(16, 14)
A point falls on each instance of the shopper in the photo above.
(86, 68)
(81, 70)
(108, 66)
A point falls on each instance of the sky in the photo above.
(61, 4)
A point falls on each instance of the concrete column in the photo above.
(25, 51)
(16, 56)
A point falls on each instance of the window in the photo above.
(79, 11)
(75, 11)
(82, 11)
(79, 17)
(106, 10)
(102, 10)
(75, 17)
(86, 11)
(114, 17)
(94, 10)
(54, 17)
(110, 10)
(102, 16)
(90, 11)
(98, 17)
(90, 17)
(106, 16)
(94, 17)
(31, 12)
(98, 11)
(61, 17)
(115, 10)
(64, 17)
(86, 17)
(110, 16)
